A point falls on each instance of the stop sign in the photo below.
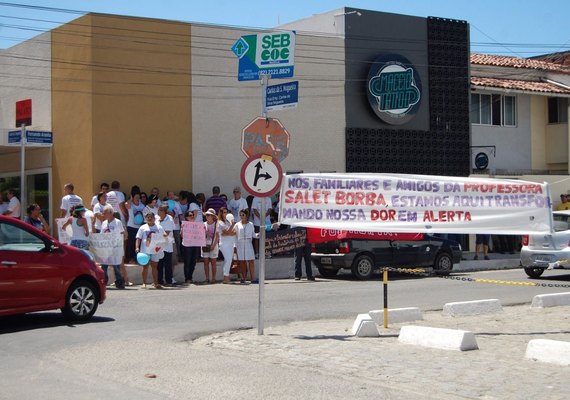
(265, 136)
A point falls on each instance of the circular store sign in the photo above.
(394, 89)
(481, 161)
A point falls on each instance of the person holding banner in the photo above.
(193, 237)
(79, 227)
(227, 235)
(150, 238)
(245, 233)
(113, 226)
(210, 250)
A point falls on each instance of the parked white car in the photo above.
(548, 251)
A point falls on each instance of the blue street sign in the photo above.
(14, 137)
(284, 95)
(37, 138)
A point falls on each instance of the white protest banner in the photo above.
(63, 235)
(156, 243)
(107, 248)
(415, 203)
(193, 234)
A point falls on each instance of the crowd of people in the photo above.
(231, 227)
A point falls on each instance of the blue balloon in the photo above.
(143, 258)
(171, 205)
(268, 227)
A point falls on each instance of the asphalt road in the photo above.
(183, 314)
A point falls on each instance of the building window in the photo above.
(493, 109)
(557, 110)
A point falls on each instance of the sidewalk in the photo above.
(284, 268)
(498, 370)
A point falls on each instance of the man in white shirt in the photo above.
(69, 200)
(14, 207)
(116, 199)
(237, 204)
(256, 210)
(104, 188)
(257, 220)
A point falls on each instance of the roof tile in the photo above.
(517, 62)
(513, 84)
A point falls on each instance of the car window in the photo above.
(14, 238)
(561, 222)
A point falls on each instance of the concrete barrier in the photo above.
(364, 326)
(438, 338)
(551, 300)
(549, 351)
(472, 307)
(397, 315)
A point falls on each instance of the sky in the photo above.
(520, 28)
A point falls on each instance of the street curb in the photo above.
(438, 338)
(397, 315)
(551, 300)
(474, 307)
(549, 351)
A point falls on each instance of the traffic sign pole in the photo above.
(23, 172)
(262, 211)
(261, 278)
(264, 84)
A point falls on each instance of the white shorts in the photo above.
(210, 254)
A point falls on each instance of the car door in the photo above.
(30, 274)
(382, 250)
(412, 253)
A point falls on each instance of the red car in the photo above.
(38, 273)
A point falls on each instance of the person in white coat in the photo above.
(227, 234)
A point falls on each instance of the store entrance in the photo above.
(37, 189)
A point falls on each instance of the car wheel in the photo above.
(81, 301)
(363, 267)
(534, 272)
(443, 264)
(328, 272)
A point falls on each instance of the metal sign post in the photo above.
(23, 172)
(262, 211)
(260, 313)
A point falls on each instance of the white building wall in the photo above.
(513, 144)
(222, 107)
(26, 74)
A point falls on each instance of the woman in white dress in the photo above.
(227, 235)
(245, 233)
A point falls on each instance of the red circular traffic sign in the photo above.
(261, 175)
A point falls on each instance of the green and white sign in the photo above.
(270, 53)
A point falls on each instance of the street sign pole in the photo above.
(262, 211)
(23, 171)
(264, 84)
(261, 278)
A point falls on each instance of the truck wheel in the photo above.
(328, 272)
(363, 267)
(534, 272)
